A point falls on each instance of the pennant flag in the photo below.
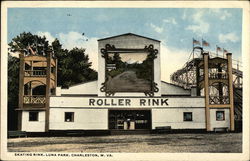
(218, 48)
(196, 42)
(205, 43)
(31, 50)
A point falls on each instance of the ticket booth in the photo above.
(129, 119)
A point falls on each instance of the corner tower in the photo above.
(37, 81)
(216, 78)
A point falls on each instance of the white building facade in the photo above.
(126, 96)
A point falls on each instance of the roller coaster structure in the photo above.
(214, 77)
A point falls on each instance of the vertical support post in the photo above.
(187, 78)
(56, 62)
(30, 83)
(220, 84)
(230, 86)
(238, 78)
(206, 90)
(21, 90)
(48, 79)
(198, 92)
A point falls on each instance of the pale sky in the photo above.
(174, 27)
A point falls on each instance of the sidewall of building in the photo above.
(174, 117)
(219, 124)
(84, 119)
(33, 126)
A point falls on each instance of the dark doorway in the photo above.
(129, 119)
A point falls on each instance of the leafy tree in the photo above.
(26, 40)
(13, 89)
(75, 68)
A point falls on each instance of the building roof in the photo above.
(127, 35)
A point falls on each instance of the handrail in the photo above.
(218, 75)
(37, 73)
(214, 99)
(34, 99)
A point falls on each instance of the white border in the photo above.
(131, 4)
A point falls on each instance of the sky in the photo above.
(174, 27)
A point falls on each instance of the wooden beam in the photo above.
(30, 109)
(37, 79)
(53, 62)
(56, 62)
(212, 81)
(21, 90)
(48, 73)
(206, 90)
(230, 86)
(35, 58)
(40, 64)
(220, 106)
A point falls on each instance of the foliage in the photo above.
(145, 70)
(13, 81)
(75, 68)
(13, 88)
(24, 40)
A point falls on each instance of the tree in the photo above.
(24, 41)
(73, 66)
(13, 88)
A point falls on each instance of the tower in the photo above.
(215, 77)
(37, 81)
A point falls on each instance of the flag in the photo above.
(196, 42)
(218, 48)
(225, 51)
(205, 43)
(31, 50)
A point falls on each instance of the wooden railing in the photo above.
(35, 73)
(218, 99)
(35, 99)
(218, 75)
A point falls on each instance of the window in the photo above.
(220, 115)
(33, 116)
(187, 116)
(69, 117)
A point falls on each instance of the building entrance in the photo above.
(129, 119)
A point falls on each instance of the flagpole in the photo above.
(193, 47)
(217, 51)
(202, 43)
(223, 52)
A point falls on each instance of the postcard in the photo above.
(125, 80)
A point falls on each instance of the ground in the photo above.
(172, 143)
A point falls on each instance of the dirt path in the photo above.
(128, 81)
(215, 142)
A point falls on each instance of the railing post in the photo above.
(230, 87)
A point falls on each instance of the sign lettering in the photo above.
(128, 102)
